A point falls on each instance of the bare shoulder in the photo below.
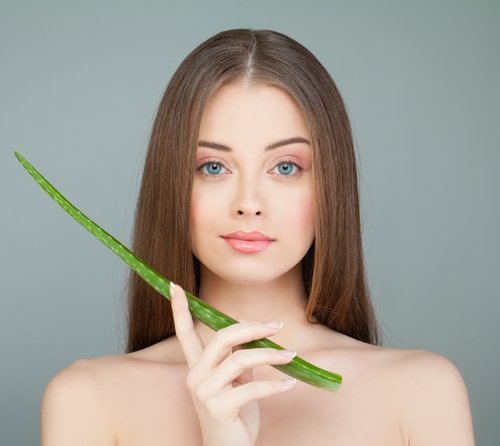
(72, 395)
(415, 366)
(93, 401)
(419, 397)
(433, 397)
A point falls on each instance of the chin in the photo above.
(248, 281)
(250, 275)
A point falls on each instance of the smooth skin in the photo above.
(198, 387)
(220, 379)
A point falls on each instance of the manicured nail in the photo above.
(172, 290)
(287, 353)
(289, 382)
(273, 324)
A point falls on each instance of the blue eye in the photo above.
(286, 168)
(211, 168)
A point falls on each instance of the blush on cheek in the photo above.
(307, 216)
(307, 222)
(307, 210)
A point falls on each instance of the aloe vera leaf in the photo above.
(210, 316)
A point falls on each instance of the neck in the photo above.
(282, 299)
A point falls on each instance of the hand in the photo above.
(220, 380)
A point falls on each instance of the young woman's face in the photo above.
(253, 173)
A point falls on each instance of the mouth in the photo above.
(248, 242)
(249, 236)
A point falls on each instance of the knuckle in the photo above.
(191, 382)
(220, 334)
(202, 393)
(225, 336)
(239, 356)
(213, 407)
(240, 361)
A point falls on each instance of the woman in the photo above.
(249, 200)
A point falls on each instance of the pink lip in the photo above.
(248, 241)
(252, 236)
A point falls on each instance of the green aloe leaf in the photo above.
(215, 319)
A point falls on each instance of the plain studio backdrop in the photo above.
(79, 86)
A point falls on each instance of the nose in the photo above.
(248, 212)
(248, 198)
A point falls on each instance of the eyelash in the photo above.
(291, 163)
(212, 176)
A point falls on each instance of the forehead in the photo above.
(250, 110)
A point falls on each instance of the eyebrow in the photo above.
(284, 142)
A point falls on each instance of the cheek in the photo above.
(306, 219)
(296, 219)
(301, 212)
(308, 214)
(204, 210)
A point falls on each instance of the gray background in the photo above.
(79, 85)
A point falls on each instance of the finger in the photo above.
(245, 377)
(222, 343)
(233, 400)
(191, 343)
(233, 367)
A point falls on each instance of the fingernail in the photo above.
(273, 324)
(287, 353)
(172, 290)
(288, 382)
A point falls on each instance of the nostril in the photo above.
(241, 212)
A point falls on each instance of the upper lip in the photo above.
(251, 236)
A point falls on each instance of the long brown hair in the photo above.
(333, 268)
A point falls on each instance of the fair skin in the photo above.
(198, 387)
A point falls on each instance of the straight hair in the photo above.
(333, 268)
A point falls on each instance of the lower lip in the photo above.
(248, 245)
